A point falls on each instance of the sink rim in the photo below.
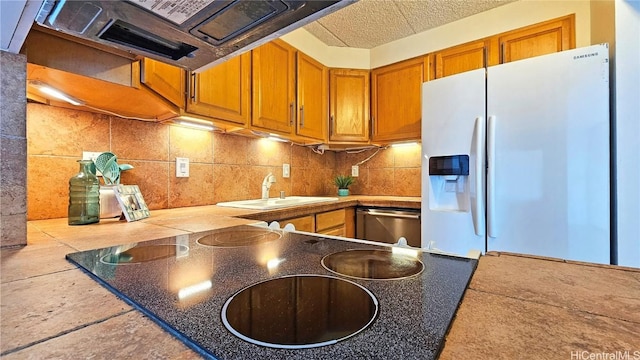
(276, 203)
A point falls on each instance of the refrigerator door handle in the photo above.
(491, 177)
(478, 209)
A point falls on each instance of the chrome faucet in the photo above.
(266, 185)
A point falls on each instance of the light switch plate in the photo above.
(286, 170)
(92, 155)
(355, 171)
(182, 167)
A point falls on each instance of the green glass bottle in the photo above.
(84, 196)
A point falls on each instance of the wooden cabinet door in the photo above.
(312, 97)
(273, 87)
(223, 92)
(338, 231)
(304, 223)
(166, 80)
(470, 56)
(396, 100)
(330, 220)
(539, 39)
(350, 222)
(349, 105)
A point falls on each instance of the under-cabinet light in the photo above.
(194, 123)
(47, 89)
(404, 144)
(275, 138)
(268, 136)
(197, 126)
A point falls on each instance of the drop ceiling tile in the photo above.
(426, 14)
(370, 23)
(367, 24)
(323, 34)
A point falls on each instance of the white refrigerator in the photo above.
(516, 158)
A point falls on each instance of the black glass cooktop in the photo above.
(372, 264)
(140, 254)
(184, 282)
(239, 237)
(300, 311)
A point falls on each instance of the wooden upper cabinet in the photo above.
(312, 97)
(166, 80)
(223, 91)
(349, 105)
(470, 56)
(396, 100)
(539, 39)
(273, 87)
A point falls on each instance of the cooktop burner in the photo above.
(140, 254)
(372, 264)
(242, 236)
(299, 311)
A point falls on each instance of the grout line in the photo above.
(22, 347)
(60, 241)
(40, 275)
(333, 34)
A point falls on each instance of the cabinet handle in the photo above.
(302, 116)
(193, 87)
(291, 113)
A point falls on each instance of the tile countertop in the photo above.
(515, 306)
(523, 307)
(343, 201)
(179, 221)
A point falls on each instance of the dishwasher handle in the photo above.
(395, 214)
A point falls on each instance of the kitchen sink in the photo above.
(276, 203)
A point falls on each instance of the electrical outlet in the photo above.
(182, 167)
(92, 155)
(286, 170)
(355, 171)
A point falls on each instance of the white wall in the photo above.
(331, 56)
(627, 108)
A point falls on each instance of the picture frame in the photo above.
(132, 203)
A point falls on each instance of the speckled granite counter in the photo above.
(414, 312)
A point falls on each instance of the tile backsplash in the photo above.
(223, 167)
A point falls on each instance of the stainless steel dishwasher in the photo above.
(388, 225)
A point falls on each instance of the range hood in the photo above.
(194, 35)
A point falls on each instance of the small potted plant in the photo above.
(343, 182)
